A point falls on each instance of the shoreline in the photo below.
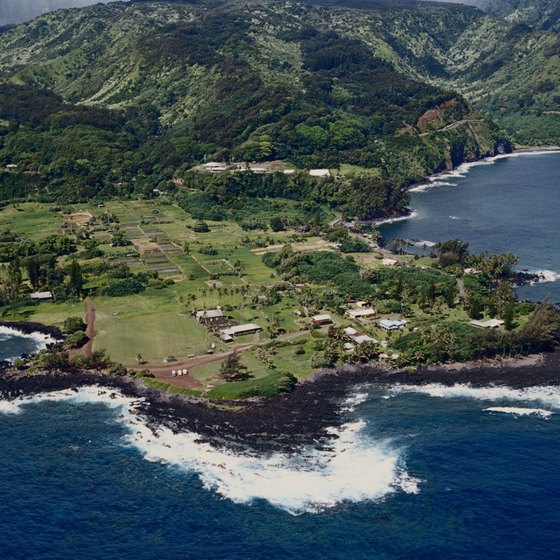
(29, 327)
(289, 421)
(486, 160)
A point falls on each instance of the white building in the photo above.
(319, 173)
(227, 335)
(41, 295)
(490, 324)
(360, 313)
(392, 325)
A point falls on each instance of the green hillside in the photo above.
(403, 89)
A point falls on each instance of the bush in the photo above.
(73, 324)
(76, 339)
(201, 227)
(123, 287)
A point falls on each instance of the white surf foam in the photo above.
(461, 170)
(517, 411)
(413, 214)
(545, 275)
(548, 396)
(355, 468)
(40, 340)
(432, 184)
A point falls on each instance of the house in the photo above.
(319, 173)
(490, 324)
(41, 295)
(358, 338)
(297, 312)
(392, 325)
(214, 167)
(227, 335)
(11, 166)
(360, 313)
(362, 304)
(322, 320)
(361, 338)
(210, 316)
(349, 347)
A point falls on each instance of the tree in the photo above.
(73, 324)
(33, 267)
(201, 227)
(14, 282)
(75, 278)
(232, 369)
(508, 316)
(277, 224)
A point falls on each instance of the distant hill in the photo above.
(402, 89)
(17, 11)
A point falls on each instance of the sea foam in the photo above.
(518, 411)
(354, 468)
(40, 340)
(547, 395)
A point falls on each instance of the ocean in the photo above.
(417, 472)
(413, 473)
(504, 204)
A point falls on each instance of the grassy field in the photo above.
(159, 321)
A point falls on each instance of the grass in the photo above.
(272, 384)
(155, 384)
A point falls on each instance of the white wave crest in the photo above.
(517, 411)
(548, 396)
(413, 214)
(355, 468)
(455, 218)
(40, 340)
(433, 183)
(462, 170)
(350, 404)
(545, 275)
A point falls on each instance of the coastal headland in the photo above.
(289, 421)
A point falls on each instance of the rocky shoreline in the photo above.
(27, 327)
(289, 421)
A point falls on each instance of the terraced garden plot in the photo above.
(220, 267)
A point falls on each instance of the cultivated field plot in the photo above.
(220, 267)
(31, 221)
(158, 262)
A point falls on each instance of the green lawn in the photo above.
(152, 324)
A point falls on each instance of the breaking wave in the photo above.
(355, 468)
(545, 275)
(517, 411)
(433, 183)
(35, 341)
(548, 396)
(413, 214)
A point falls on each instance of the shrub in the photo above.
(73, 324)
(76, 339)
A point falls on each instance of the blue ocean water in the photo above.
(14, 343)
(75, 484)
(420, 473)
(503, 205)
